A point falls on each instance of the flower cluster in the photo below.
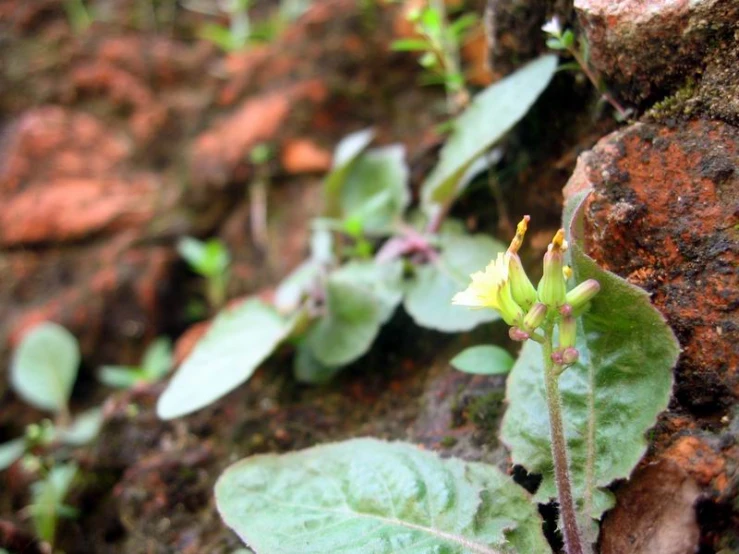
(505, 287)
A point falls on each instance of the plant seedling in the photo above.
(564, 39)
(42, 372)
(155, 364)
(439, 42)
(47, 501)
(209, 259)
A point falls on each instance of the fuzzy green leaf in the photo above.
(627, 352)
(238, 341)
(307, 369)
(492, 113)
(366, 496)
(11, 451)
(44, 366)
(376, 189)
(346, 153)
(486, 359)
(429, 292)
(352, 321)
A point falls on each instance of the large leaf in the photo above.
(623, 381)
(429, 292)
(345, 155)
(352, 321)
(307, 369)
(238, 341)
(376, 189)
(492, 113)
(44, 366)
(382, 281)
(366, 496)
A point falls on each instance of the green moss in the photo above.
(675, 105)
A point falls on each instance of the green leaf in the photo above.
(483, 360)
(462, 24)
(429, 292)
(431, 21)
(345, 154)
(352, 321)
(120, 376)
(307, 369)
(44, 367)
(84, 428)
(492, 113)
(367, 496)
(157, 359)
(47, 498)
(208, 258)
(376, 189)
(381, 281)
(291, 290)
(238, 341)
(627, 352)
(11, 451)
(410, 45)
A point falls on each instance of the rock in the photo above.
(648, 48)
(302, 155)
(222, 150)
(663, 214)
(71, 228)
(655, 513)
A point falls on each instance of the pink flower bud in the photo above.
(518, 334)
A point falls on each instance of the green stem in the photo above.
(570, 531)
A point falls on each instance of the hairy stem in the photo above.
(570, 531)
(590, 461)
(596, 83)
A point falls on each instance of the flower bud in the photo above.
(522, 290)
(570, 356)
(518, 335)
(552, 287)
(567, 332)
(535, 317)
(511, 312)
(582, 293)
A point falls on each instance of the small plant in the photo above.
(42, 372)
(209, 259)
(47, 500)
(564, 39)
(439, 41)
(258, 190)
(366, 259)
(155, 364)
(242, 30)
(78, 15)
(535, 314)
(236, 36)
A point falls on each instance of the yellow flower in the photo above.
(492, 289)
